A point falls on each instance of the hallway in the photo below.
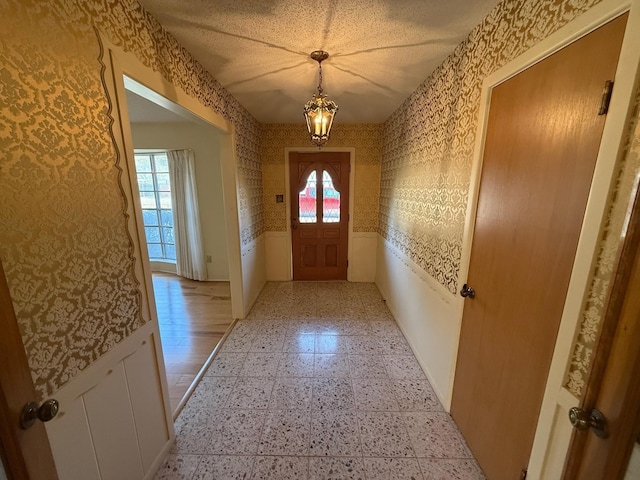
(318, 382)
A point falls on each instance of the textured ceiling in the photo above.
(381, 50)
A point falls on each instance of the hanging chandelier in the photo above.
(319, 111)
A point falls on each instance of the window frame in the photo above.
(151, 154)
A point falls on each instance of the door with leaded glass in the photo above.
(319, 214)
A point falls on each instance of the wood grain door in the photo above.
(319, 214)
(613, 386)
(542, 142)
(26, 453)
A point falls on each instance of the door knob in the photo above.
(595, 419)
(467, 291)
(45, 412)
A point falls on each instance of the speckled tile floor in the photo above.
(317, 383)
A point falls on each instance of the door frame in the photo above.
(613, 355)
(129, 74)
(123, 71)
(287, 201)
(611, 148)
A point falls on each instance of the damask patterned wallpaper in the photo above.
(594, 308)
(63, 239)
(428, 149)
(429, 140)
(365, 138)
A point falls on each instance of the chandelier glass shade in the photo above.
(319, 112)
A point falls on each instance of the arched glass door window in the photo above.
(330, 200)
(307, 200)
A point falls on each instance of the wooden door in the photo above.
(613, 386)
(319, 214)
(542, 141)
(26, 453)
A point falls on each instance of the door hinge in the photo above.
(523, 474)
(606, 97)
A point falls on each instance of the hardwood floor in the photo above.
(193, 318)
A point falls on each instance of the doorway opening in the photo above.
(193, 314)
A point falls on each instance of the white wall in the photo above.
(362, 257)
(278, 256)
(428, 315)
(254, 274)
(165, 267)
(206, 146)
(633, 469)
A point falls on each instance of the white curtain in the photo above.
(190, 262)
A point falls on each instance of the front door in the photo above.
(26, 454)
(543, 137)
(319, 214)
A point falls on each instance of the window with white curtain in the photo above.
(152, 170)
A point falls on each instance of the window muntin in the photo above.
(155, 198)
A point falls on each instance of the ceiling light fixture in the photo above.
(319, 111)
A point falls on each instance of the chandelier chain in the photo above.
(320, 77)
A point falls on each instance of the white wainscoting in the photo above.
(278, 256)
(428, 315)
(561, 429)
(254, 274)
(362, 257)
(114, 421)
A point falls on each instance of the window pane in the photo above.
(150, 218)
(167, 235)
(162, 164)
(307, 201)
(145, 182)
(166, 218)
(330, 200)
(152, 234)
(155, 250)
(165, 199)
(148, 200)
(155, 198)
(163, 182)
(143, 163)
